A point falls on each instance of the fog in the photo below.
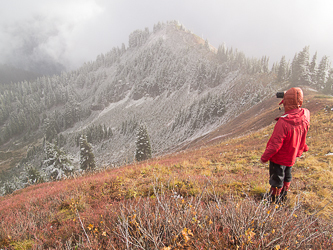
(49, 36)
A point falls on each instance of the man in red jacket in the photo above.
(287, 142)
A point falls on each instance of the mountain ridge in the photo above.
(169, 79)
(262, 114)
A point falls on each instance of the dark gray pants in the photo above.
(279, 174)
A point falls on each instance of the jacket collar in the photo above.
(293, 111)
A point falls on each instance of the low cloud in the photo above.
(30, 45)
(34, 39)
(50, 36)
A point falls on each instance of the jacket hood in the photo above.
(296, 116)
(293, 99)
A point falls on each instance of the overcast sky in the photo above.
(71, 32)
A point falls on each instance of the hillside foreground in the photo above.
(206, 198)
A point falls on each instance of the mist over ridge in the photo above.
(51, 36)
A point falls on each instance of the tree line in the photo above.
(57, 164)
(302, 71)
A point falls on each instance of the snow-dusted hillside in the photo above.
(175, 84)
(170, 79)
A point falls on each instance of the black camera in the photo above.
(279, 94)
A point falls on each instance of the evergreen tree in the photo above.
(50, 130)
(105, 132)
(31, 176)
(109, 134)
(328, 87)
(206, 44)
(10, 186)
(60, 141)
(143, 147)
(304, 67)
(323, 70)
(222, 53)
(264, 63)
(282, 71)
(295, 70)
(274, 69)
(57, 164)
(313, 69)
(300, 68)
(87, 158)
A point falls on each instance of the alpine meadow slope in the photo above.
(207, 198)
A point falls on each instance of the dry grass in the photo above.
(197, 199)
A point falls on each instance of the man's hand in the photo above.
(262, 162)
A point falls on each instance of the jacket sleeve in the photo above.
(275, 142)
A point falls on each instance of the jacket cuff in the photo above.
(263, 160)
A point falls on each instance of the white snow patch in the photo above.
(221, 136)
(170, 123)
(311, 89)
(329, 154)
(138, 102)
(113, 105)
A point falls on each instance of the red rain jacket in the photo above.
(288, 140)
